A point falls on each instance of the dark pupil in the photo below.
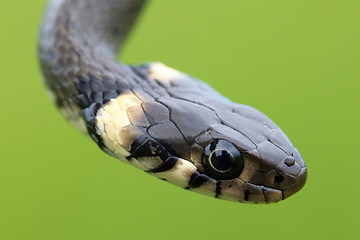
(222, 160)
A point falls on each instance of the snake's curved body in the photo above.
(158, 119)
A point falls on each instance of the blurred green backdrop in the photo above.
(297, 61)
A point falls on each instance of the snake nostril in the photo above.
(278, 179)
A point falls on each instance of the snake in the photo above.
(162, 121)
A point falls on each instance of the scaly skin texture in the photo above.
(156, 118)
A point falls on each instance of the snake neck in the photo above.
(103, 25)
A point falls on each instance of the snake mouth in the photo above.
(299, 184)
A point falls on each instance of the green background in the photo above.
(297, 61)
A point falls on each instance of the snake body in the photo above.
(160, 120)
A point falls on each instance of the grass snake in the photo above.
(158, 119)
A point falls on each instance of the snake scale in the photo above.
(158, 119)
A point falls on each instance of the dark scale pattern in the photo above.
(218, 188)
(198, 179)
(92, 89)
(167, 165)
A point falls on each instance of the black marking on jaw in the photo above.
(197, 179)
(246, 194)
(169, 148)
(218, 188)
(148, 147)
(145, 146)
(263, 191)
(138, 142)
(167, 165)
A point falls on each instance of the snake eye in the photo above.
(223, 160)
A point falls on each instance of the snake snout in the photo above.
(300, 182)
(300, 178)
(282, 172)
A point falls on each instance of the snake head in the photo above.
(186, 133)
(241, 170)
(162, 121)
